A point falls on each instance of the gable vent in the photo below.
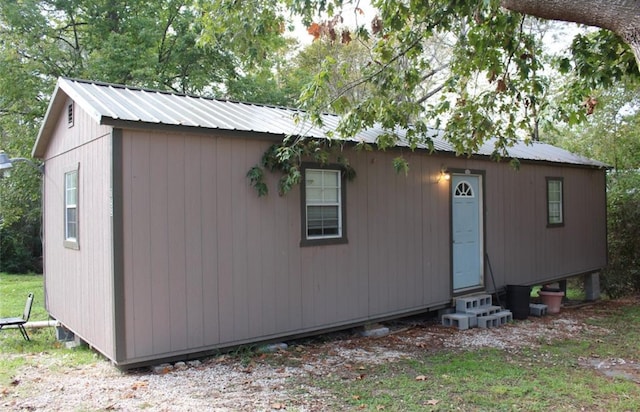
(70, 114)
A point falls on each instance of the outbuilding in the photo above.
(157, 247)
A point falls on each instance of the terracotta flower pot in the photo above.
(552, 300)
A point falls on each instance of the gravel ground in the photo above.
(253, 383)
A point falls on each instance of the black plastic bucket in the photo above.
(518, 299)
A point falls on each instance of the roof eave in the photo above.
(48, 124)
(63, 91)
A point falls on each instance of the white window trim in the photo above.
(340, 237)
(558, 203)
(71, 242)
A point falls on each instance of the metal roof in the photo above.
(108, 103)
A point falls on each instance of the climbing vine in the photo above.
(286, 158)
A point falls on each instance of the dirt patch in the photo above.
(254, 383)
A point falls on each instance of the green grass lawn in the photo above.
(549, 377)
(529, 379)
(13, 295)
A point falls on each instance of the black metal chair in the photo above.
(19, 322)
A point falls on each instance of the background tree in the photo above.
(496, 75)
(155, 44)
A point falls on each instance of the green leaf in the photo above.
(400, 165)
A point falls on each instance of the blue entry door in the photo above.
(467, 232)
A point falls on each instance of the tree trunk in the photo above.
(620, 16)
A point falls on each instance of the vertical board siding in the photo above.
(193, 241)
(210, 250)
(177, 298)
(158, 213)
(224, 240)
(79, 283)
(225, 266)
(237, 191)
(522, 249)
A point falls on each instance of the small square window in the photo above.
(323, 216)
(555, 204)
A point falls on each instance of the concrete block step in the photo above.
(484, 311)
(494, 320)
(462, 321)
(486, 322)
(472, 302)
(504, 317)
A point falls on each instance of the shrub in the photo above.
(622, 275)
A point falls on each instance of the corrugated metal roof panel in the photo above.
(148, 106)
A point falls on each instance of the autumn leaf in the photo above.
(376, 25)
(590, 104)
(314, 30)
(432, 402)
(346, 37)
(501, 86)
(421, 378)
(278, 406)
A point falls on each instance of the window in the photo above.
(463, 189)
(71, 209)
(323, 207)
(555, 208)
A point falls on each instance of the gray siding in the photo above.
(79, 283)
(522, 249)
(194, 260)
(222, 266)
(209, 264)
(206, 263)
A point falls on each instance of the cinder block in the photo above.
(465, 304)
(486, 322)
(472, 302)
(274, 347)
(537, 309)
(459, 320)
(504, 317)
(493, 309)
(478, 312)
(484, 300)
(63, 334)
(375, 333)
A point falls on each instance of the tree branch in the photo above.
(430, 93)
(622, 17)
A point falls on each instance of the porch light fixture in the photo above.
(444, 175)
(6, 163)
